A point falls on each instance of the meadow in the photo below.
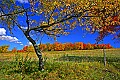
(61, 65)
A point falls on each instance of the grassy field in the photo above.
(61, 65)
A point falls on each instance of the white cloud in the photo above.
(24, 27)
(3, 36)
(21, 44)
(9, 38)
(2, 31)
(29, 43)
(18, 42)
(22, 1)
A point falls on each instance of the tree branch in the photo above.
(10, 14)
(51, 15)
(59, 21)
(13, 20)
(91, 16)
(27, 21)
(50, 33)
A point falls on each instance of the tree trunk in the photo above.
(104, 54)
(39, 54)
(104, 57)
(37, 50)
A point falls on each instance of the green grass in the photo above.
(61, 65)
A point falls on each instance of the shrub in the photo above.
(24, 65)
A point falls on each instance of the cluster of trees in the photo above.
(14, 50)
(4, 48)
(65, 46)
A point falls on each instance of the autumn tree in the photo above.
(43, 47)
(108, 21)
(78, 45)
(30, 48)
(14, 50)
(25, 48)
(50, 47)
(4, 48)
(69, 46)
(58, 17)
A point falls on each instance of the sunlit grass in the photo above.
(62, 65)
(96, 52)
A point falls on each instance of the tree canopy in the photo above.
(56, 17)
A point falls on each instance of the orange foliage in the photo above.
(69, 46)
(14, 50)
(59, 46)
(66, 46)
(50, 47)
(25, 48)
(42, 47)
(21, 51)
(79, 45)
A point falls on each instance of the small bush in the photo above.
(24, 65)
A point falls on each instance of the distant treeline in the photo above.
(64, 47)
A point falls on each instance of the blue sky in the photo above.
(18, 40)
